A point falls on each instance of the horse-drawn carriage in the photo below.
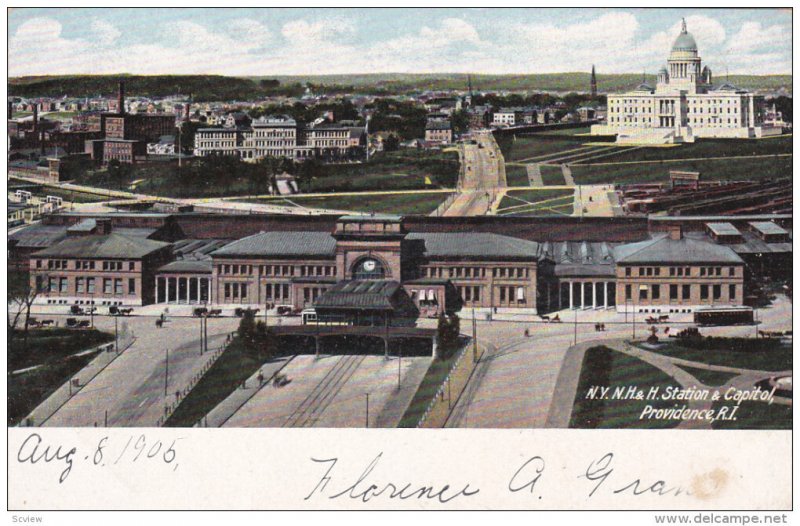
(116, 311)
(74, 323)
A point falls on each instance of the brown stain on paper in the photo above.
(709, 485)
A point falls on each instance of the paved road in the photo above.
(330, 391)
(515, 383)
(131, 388)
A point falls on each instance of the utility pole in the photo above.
(116, 335)
(399, 360)
(205, 331)
(575, 336)
(367, 416)
(200, 319)
(166, 374)
(474, 337)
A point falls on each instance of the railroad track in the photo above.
(314, 405)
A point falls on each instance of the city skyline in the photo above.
(254, 42)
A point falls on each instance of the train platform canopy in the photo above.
(360, 295)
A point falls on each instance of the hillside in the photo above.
(201, 87)
(217, 87)
(564, 82)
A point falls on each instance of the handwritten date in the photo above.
(35, 449)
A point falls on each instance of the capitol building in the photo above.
(684, 105)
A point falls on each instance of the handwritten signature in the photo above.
(527, 477)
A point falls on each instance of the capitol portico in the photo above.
(684, 105)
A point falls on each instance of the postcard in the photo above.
(400, 259)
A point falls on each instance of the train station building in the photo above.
(379, 267)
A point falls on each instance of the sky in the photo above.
(264, 42)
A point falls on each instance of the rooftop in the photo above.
(768, 228)
(114, 245)
(279, 244)
(477, 245)
(663, 249)
(359, 294)
(723, 229)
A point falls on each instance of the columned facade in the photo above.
(586, 293)
(183, 289)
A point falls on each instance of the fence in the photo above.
(451, 389)
(181, 394)
(444, 205)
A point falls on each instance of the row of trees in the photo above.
(258, 339)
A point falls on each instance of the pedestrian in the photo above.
(603, 327)
(527, 333)
(260, 377)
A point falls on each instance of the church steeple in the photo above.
(593, 86)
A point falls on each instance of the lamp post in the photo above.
(116, 334)
(366, 421)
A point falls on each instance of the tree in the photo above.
(447, 334)
(392, 143)
(460, 121)
(20, 297)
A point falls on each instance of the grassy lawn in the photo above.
(517, 175)
(52, 350)
(605, 367)
(552, 175)
(543, 202)
(711, 169)
(72, 196)
(541, 144)
(704, 148)
(400, 170)
(744, 353)
(756, 415)
(45, 346)
(434, 377)
(710, 378)
(229, 371)
(404, 204)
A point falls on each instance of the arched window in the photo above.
(369, 268)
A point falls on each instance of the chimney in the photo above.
(186, 112)
(10, 110)
(675, 232)
(121, 98)
(103, 225)
(41, 141)
(35, 116)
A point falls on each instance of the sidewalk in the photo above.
(228, 407)
(64, 394)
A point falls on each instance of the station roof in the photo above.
(359, 294)
(281, 244)
(723, 229)
(189, 266)
(114, 245)
(663, 249)
(768, 228)
(477, 245)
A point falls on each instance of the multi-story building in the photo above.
(675, 273)
(508, 117)
(681, 265)
(683, 105)
(125, 136)
(439, 131)
(279, 136)
(94, 265)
